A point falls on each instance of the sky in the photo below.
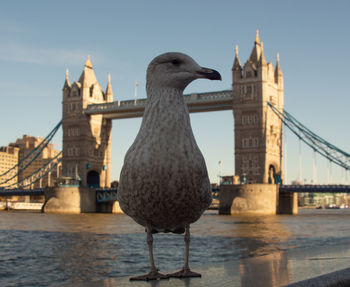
(41, 39)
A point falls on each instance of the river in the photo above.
(39, 249)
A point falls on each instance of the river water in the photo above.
(39, 249)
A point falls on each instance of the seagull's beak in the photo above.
(209, 74)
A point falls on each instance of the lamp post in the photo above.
(220, 169)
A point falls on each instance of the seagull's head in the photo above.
(176, 70)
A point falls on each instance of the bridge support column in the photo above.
(252, 199)
(109, 207)
(288, 203)
(69, 200)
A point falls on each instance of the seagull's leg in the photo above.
(153, 274)
(186, 272)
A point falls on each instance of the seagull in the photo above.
(164, 184)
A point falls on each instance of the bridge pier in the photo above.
(248, 199)
(109, 207)
(256, 199)
(288, 203)
(69, 200)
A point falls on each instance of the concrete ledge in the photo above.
(275, 269)
(248, 199)
(335, 279)
(69, 200)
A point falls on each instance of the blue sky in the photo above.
(40, 39)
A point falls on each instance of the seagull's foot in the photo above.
(153, 275)
(184, 273)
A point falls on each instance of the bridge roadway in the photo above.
(21, 192)
(196, 102)
(110, 194)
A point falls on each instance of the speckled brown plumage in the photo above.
(164, 183)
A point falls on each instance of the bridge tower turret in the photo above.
(86, 139)
(258, 131)
(237, 68)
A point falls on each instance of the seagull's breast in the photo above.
(164, 181)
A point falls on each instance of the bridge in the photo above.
(197, 102)
(258, 118)
(111, 194)
(316, 188)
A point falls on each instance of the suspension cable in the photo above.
(312, 140)
(36, 151)
(36, 171)
(49, 170)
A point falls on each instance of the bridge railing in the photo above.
(317, 188)
(106, 195)
(119, 105)
(210, 96)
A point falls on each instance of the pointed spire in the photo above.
(66, 82)
(256, 52)
(109, 91)
(88, 63)
(262, 60)
(278, 70)
(88, 77)
(257, 39)
(237, 62)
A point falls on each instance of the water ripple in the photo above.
(50, 250)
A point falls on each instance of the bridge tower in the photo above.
(86, 138)
(258, 131)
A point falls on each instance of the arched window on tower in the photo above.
(91, 91)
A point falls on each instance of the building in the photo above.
(258, 131)
(26, 145)
(8, 160)
(86, 139)
(324, 200)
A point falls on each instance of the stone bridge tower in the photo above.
(86, 139)
(258, 131)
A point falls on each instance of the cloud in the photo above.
(19, 53)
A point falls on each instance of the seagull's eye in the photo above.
(176, 62)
